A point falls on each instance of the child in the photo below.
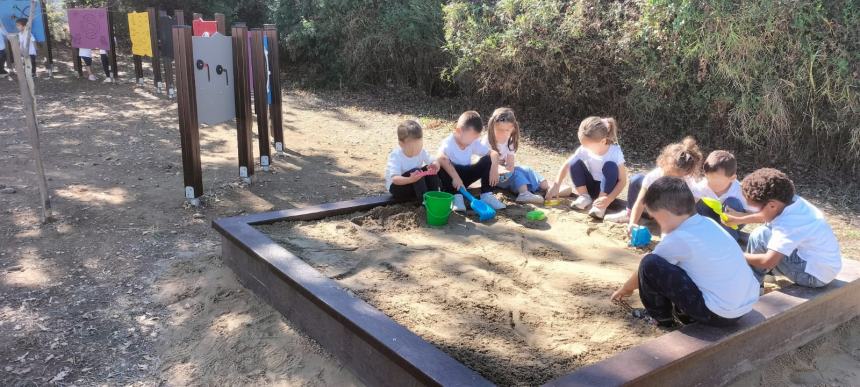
(455, 159)
(503, 136)
(596, 168)
(3, 34)
(405, 161)
(796, 240)
(22, 40)
(721, 183)
(86, 55)
(681, 159)
(697, 271)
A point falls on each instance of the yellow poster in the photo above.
(138, 29)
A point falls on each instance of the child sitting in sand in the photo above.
(721, 183)
(696, 272)
(596, 168)
(796, 240)
(405, 162)
(503, 136)
(455, 158)
(681, 159)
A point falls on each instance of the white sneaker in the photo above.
(618, 217)
(528, 197)
(597, 212)
(491, 201)
(459, 205)
(92, 77)
(108, 80)
(582, 202)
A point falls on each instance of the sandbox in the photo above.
(490, 328)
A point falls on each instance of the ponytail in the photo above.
(683, 157)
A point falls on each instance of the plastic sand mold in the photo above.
(552, 202)
(717, 207)
(535, 215)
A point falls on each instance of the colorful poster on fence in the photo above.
(11, 10)
(200, 27)
(213, 73)
(165, 36)
(89, 28)
(138, 30)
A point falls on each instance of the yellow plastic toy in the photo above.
(715, 205)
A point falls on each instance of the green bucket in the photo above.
(438, 207)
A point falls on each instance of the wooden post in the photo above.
(28, 97)
(76, 60)
(156, 59)
(275, 108)
(112, 48)
(189, 127)
(220, 22)
(48, 44)
(179, 15)
(244, 117)
(258, 59)
(138, 69)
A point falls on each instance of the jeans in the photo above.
(791, 266)
(664, 287)
(734, 204)
(522, 176)
(416, 190)
(583, 178)
(469, 174)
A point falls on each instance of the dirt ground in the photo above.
(534, 311)
(126, 286)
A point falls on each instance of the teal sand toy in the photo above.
(484, 211)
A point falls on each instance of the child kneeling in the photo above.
(697, 272)
(402, 173)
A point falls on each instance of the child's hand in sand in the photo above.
(622, 293)
(601, 202)
(552, 192)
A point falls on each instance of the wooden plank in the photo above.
(48, 44)
(179, 15)
(275, 109)
(112, 45)
(187, 108)
(221, 23)
(261, 108)
(244, 116)
(156, 58)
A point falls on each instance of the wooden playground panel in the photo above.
(383, 352)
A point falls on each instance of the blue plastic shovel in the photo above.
(484, 211)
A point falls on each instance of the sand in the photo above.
(519, 302)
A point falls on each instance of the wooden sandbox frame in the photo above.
(382, 352)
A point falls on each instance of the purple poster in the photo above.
(89, 28)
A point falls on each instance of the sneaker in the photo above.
(92, 77)
(108, 80)
(491, 200)
(459, 205)
(597, 212)
(643, 315)
(618, 217)
(582, 202)
(528, 197)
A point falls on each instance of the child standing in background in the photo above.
(86, 56)
(596, 168)
(455, 159)
(503, 136)
(404, 162)
(22, 40)
(683, 160)
(721, 183)
(3, 34)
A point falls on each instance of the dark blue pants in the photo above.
(2, 59)
(664, 287)
(469, 174)
(633, 189)
(734, 204)
(582, 177)
(416, 190)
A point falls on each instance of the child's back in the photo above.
(802, 227)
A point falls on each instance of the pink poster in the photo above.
(200, 26)
(89, 28)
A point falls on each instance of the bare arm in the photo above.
(448, 167)
(627, 289)
(638, 208)
(494, 168)
(552, 192)
(607, 199)
(767, 260)
(735, 217)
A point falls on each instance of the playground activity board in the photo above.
(138, 30)
(213, 73)
(12, 10)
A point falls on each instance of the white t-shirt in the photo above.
(88, 52)
(399, 163)
(460, 156)
(22, 40)
(504, 150)
(734, 191)
(657, 173)
(802, 227)
(594, 162)
(715, 263)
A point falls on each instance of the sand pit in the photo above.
(519, 302)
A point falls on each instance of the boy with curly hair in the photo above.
(795, 240)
